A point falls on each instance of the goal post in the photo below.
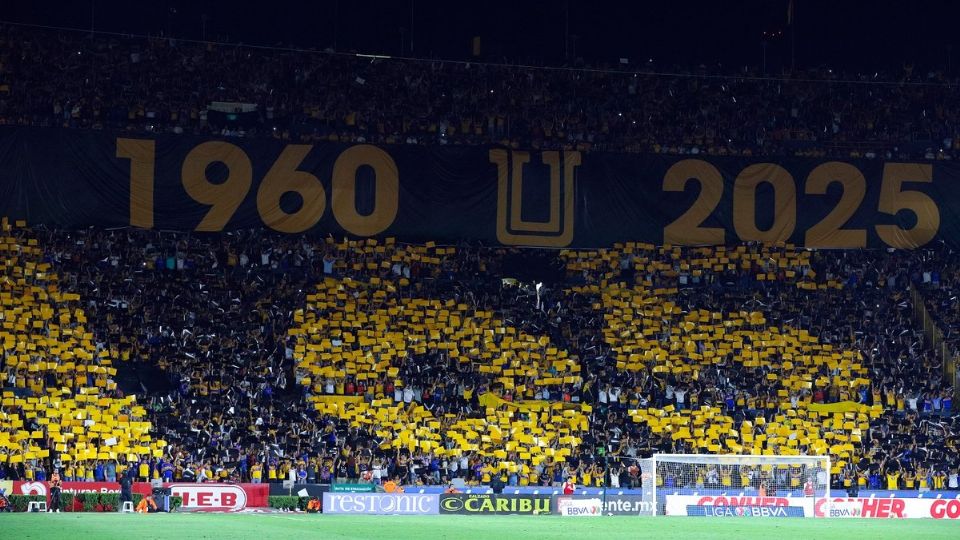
(736, 485)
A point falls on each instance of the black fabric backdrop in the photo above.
(70, 178)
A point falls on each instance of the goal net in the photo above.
(736, 485)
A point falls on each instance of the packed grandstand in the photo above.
(135, 85)
(244, 354)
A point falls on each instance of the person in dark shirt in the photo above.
(126, 490)
(55, 488)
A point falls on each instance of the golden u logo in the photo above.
(512, 229)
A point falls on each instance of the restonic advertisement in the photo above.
(379, 503)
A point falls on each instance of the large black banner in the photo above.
(74, 178)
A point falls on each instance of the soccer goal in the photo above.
(736, 485)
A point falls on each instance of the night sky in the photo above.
(839, 33)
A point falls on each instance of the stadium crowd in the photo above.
(939, 284)
(249, 356)
(253, 355)
(136, 84)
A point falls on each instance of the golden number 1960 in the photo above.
(224, 198)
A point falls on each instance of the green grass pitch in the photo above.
(269, 526)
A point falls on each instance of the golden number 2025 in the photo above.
(224, 198)
(829, 232)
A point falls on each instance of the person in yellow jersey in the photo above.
(893, 478)
(744, 477)
(923, 480)
(143, 471)
(256, 473)
(891, 398)
(486, 474)
(701, 478)
(910, 479)
(939, 480)
(794, 478)
(587, 476)
(726, 478)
